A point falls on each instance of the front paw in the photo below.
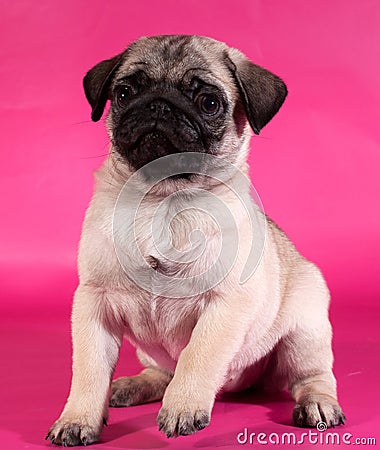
(315, 409)
(183, 411)
(176, 422)
(75, 431)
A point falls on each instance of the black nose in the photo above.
(159, 107)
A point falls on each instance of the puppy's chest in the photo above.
(176, 240)
(173, 245)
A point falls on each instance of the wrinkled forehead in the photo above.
(175, 57)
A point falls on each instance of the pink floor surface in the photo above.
(35, 378)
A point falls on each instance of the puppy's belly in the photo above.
(238, 380)
(157, 354)
(163, 334)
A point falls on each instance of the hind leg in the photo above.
(147, 386)
(305, 356)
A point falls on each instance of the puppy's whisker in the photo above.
(95, 156)
(110, 151)
(81, 122)
(266, 138)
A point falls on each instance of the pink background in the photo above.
(315, 166)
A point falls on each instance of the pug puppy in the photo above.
(172, 96)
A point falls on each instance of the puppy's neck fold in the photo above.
(114, 173)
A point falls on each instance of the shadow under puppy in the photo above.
(173, 96)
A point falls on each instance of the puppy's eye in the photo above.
(122, 95)
(208, 104)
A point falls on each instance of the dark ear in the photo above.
(97, 82)
(262, 92)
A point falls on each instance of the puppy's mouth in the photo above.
(155, 143)
(149, 145)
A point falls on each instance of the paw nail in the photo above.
(84, 441)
